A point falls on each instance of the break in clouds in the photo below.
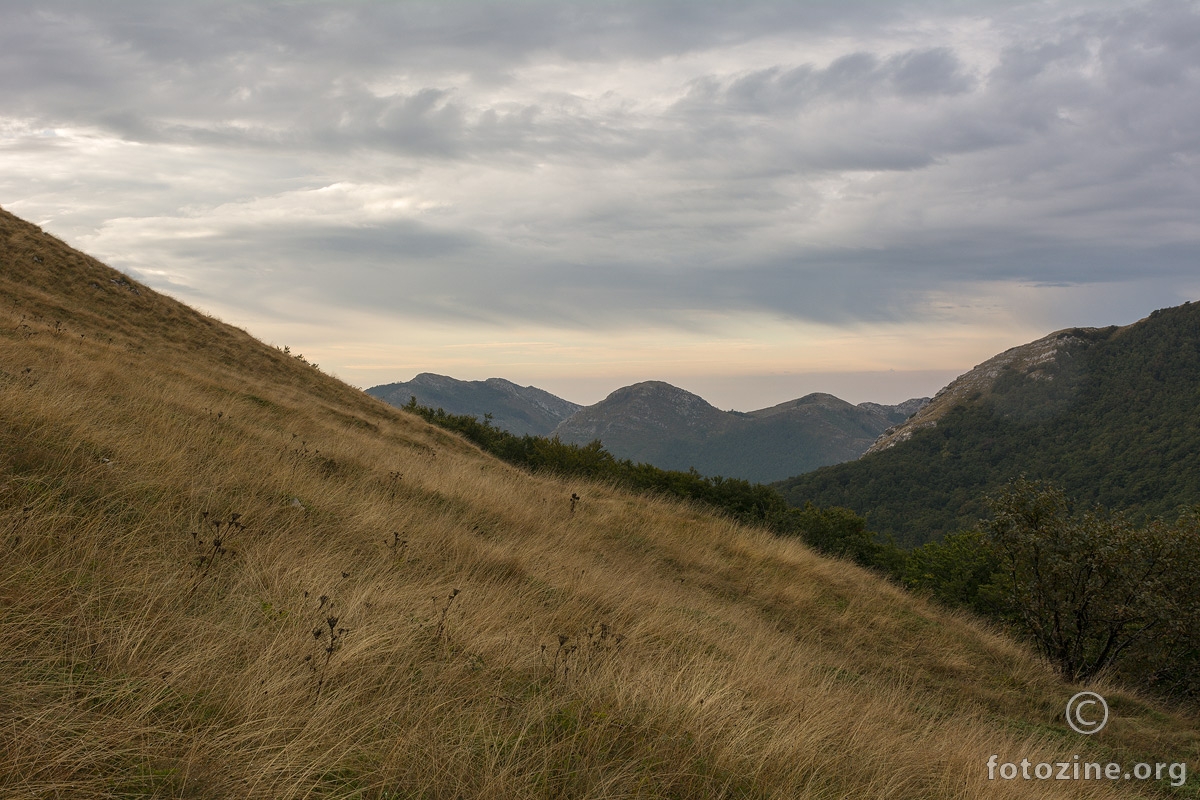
(602, 165)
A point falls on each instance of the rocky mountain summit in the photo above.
(1108, 414)
(1032, 361)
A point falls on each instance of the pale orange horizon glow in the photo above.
(744, 364)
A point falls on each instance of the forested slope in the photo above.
(1111, 417)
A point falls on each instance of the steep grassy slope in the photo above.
(389, 613)
(1107, 413)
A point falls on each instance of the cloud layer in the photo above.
(603, 168)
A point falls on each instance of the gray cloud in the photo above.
(605, 164)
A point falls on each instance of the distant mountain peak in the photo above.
(517, 409)
(433, 379)
(647, 405)
(669, 427)
(661, 397)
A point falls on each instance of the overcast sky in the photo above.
(750, 200)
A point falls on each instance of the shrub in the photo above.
(1088, 588)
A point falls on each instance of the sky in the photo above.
(750, 200)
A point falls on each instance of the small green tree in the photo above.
(840, 532)
(1168, 663)
(960, 570)
(1086, 588)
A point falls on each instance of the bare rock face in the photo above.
(1032, 360)
(899, 412)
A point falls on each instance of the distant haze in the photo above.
(749, 200)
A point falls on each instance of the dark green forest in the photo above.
(1112, 420)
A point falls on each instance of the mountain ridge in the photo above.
(1106, 413)
(668, 427)
(1031, 359)
(517, 409)
(672, 428)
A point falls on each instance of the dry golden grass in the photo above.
(393, 614)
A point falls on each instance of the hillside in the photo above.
(1107, 413)
(516, 409)
(663, 425)
(1040, 360)
(228, 575)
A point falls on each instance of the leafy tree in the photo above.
(961, 570)
(837, 532)
(1168, 663)
(1089, 587)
